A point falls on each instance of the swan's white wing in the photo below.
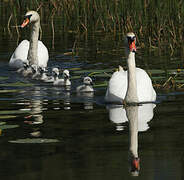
(145, 114)
(43, 55)
(117, 87)
(83, 88)
(20, 55)
(80, 88)
(58, 82)
(145, 91)
(117, 114)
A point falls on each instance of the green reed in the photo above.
(158, 24)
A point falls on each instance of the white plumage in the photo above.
(117, 87)
(64, 81)
(117, 114)
(33, 51)
(86, 86)
(133, 85)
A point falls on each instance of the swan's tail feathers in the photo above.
(120, 68)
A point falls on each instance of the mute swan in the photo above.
(86, 86)
(65, 81)
(117, 114)
(132, 115)
(35, 52)
(133, 85)
(138, 118)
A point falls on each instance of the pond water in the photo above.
(47, 132)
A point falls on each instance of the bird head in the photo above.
(30, 17)
(88, 81)
(130, 42)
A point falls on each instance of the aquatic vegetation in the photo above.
(16, 84)
(158, 24)
(7, 126)
(34, 140)
(171, 79)
(13, 112)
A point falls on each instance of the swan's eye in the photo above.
(27, 17)
(131, 39)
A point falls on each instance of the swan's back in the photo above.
(21, 52)
(145, 91)
(43, 55)
(20, 55)
(117, 87)
(84, 88)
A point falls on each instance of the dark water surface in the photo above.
(48, 133)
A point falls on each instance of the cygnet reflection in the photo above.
(67, 100)
(87, 99)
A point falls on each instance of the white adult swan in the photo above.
(35, 52)
(133, 85)
(117, 114)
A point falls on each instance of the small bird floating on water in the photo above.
(87, 85)
(64, 81)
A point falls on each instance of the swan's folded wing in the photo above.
(117, 87)
(43, 55)
(145, 90)
(20, 55)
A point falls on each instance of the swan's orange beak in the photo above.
(132, 46)
(135, 166)
(25, 23)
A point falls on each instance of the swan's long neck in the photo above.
(33, 46)
(56, 78)
(132, 115)
(131, 95)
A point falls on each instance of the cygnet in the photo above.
(87, 85)
(64, 81)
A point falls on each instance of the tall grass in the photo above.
(159, 24)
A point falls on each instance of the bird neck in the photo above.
(44, 75)
(67, 81)
(56, 78)
(86, 85)
(132, 115)
(131, 95)
(33, 46)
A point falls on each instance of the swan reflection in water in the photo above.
(34, 105)
(138, 118)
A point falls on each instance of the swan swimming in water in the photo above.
(86, 86)
(33, 51)
(64, 81)
(43, 74)
(133, 85)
